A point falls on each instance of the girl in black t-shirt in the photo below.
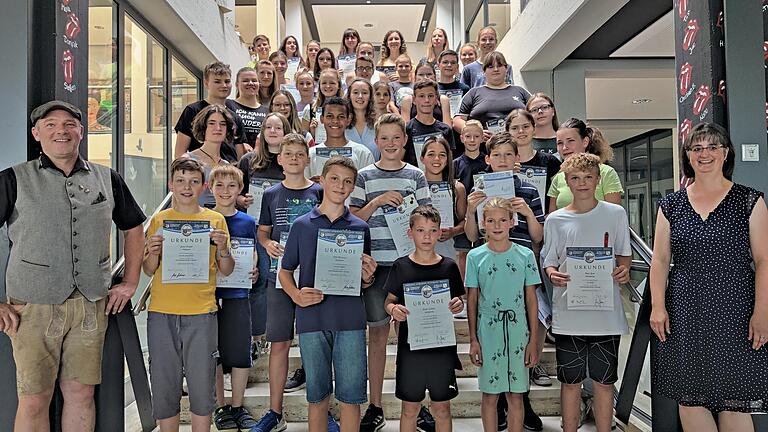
(325, 60)
(247, 105)
(542, 107)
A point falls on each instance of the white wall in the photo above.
(203, 30)
(547, 31)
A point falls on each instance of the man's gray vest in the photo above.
(60, 231)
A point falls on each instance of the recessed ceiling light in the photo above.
(641, 101)
(369, 25)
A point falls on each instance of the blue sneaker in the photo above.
(270, 422)
(332, 425)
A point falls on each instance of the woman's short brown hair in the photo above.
(704, 133)
(200, 122)
(494, 58)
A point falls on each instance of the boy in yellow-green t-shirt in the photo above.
(182, 331)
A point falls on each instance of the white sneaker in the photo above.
(228, 382)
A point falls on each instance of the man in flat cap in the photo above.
(59, 209)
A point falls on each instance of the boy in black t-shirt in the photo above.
(217, 79)
(424, 124)
(430, 369)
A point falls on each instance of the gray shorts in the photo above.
(281, 314)
(374, 297)
(182, 345)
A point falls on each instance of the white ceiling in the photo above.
(332, 20)
(657, 40)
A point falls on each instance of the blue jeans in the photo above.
(345, 352)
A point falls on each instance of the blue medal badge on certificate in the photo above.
(591, 285)
(256, 189)
(339, 261)
(186, 251)
(398, 221)
(430, 321)
(537, 177)
(442, 201)
(243, 251)
(495, 184)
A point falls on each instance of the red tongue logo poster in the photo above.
(72, 29)
(68, 64)
(689, 40)
(685, 129)
(686, 70)
(682, 8)
(700, 101)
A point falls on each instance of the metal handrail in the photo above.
(142, 302)
(640, 337)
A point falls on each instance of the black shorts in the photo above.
(462, 243)
(235, 333)
(577, 354)
(281, 314)
(418, 371)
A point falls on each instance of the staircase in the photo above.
(545, 400)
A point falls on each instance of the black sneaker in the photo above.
(501, 413)
(373, 420)
(296, 382)
(532, 421)
(243, 418)
(425, 422)
(223, 420)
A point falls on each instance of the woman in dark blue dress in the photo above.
(710, 311)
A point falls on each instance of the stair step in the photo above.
(259, 371)
(545, 401)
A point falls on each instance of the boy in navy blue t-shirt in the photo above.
(281, 205)
(234, 316)
(332, 327)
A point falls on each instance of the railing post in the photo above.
(110, 395)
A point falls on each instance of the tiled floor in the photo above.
(551, 424)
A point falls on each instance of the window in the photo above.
(102, 83)
(184, 91)
(145, 123)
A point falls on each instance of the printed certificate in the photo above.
(347, 64)
(430, 321)
(496, 184)
(320, 134)
(591, 284)
(324, 153)
(291, 88)
(256, 189)
(418, 145)
(536, 176)
(495, 126)
(442, 201)
(339, 261)
(389, 71)
(186, 251)
(398, 223)
(290, 72)
(243, 250)
(454, 97)
(279, 261)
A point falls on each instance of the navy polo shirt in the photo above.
(334, 313)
